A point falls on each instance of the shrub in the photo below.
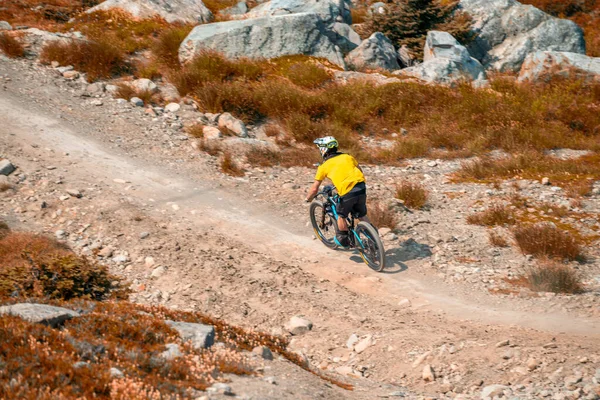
(497, 240)
(229, 167)
(97, 59)
(554, 277)
(407, 22)
(579, 189)
(263, 157)
(381, 216)
(307, 75)
(196, 130)
(299, 157)
(546, 240)
(47, 15)
(11, 46)
(412, 194)
(35, 266)
(494, 216)
(166, 47)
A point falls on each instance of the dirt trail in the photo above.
(205, 205)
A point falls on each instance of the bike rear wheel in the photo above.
(370, 246)
(324, 224)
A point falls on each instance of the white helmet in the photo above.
(325, 144)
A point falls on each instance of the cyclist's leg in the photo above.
(360, 210)
(343, 208)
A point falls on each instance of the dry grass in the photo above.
(546, 240)
(166, 47)
(412, 194)
(4, 229)
(307, 75)
(263, 157)
(381, 216)
(229, 166)
(196, 130)
(496, 215)
(47, 14)
(580, 189)
(5, 187)
(497, 239)
(36, 266)
(11, 46)
(124, 32)
(359, 14)
(96, 59)
(551, 276)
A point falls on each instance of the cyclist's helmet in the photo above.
(327, 144)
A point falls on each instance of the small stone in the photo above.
(404, 303)
(64, 197)
(210, 133)
(352, 340)
(491, 391)
(173, 351)
(546, 181)
(70, 75)
(532, 364)
(144, 235)
(136, 101)
(106, 252)
(158, 272)
(172, 107)
(60, 234)
(149, 261)
(96, 103)
(64, 69)
(120, 259)
(80, 364)
(432, 164)
(271, 380)
(116, 373)
(503, 343)
(220, 388)
(5, 26)
(264, 352)
(74, 193)
(298, 325)
(6, 167)
(364, 344)
(428, 374)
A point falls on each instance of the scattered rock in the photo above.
(232, 124)
(404, 303)
(172, 352)
(60, 234)
(144, 85)
(71, 75)
(74, 193)
(491, 391)
(199, 335)
(546, 181)
(144, 235)
(188, 11)
(352, 340)
(298, 325)
(172, 107)
(149, 261)
(116, 373)
(428, 374)
(40, 313)
(264, 352)
(364, 344)
(136, 101)
(375, 52)
(532, 364)
(158, 272)
(106, 252)
(6, 167)
(503, 343)
(220, 388)
(121, 259)
(5, 26)
(211, 133)
(270, 37)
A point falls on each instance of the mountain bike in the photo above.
(363, 237)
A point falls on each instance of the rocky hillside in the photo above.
(169, 144)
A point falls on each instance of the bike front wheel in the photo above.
(370, 246)
(323, 223)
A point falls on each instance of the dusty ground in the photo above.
(158, 211)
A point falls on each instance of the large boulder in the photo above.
(508, 31)
(329, 10)
(39, 313)
(445, 62)
(375, 52)
(189, 11)
(268, 37)
(344, 37)
(543, 65)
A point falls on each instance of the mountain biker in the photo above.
(347, 177)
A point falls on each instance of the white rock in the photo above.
(210, 133)
(404, 303)
(229, 122)
(39, 313)
(149, 261)
(199, 335)
(60, 234)
(136, 101)
(172, 352)
(428, 374)
(364, 344)
(116, 373)
(158, 272)
(144, 85)
(298, 325)
(352, 340)
(172, 107)
(5, 26)
(544, 65)
(74, 193)
(489, 392)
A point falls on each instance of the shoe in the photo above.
(342, 239)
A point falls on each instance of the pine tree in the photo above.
(406, 22)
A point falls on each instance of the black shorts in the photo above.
(354, 202)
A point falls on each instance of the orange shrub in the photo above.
(555, 277)
(493, 216)
(546, 240)
(230, 167)
(497, 240)
(166, 47)
(414, 195)
(11, 46)
(382, 217)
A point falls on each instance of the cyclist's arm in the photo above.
(312, 192)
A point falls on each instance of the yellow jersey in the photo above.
(343, 171)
